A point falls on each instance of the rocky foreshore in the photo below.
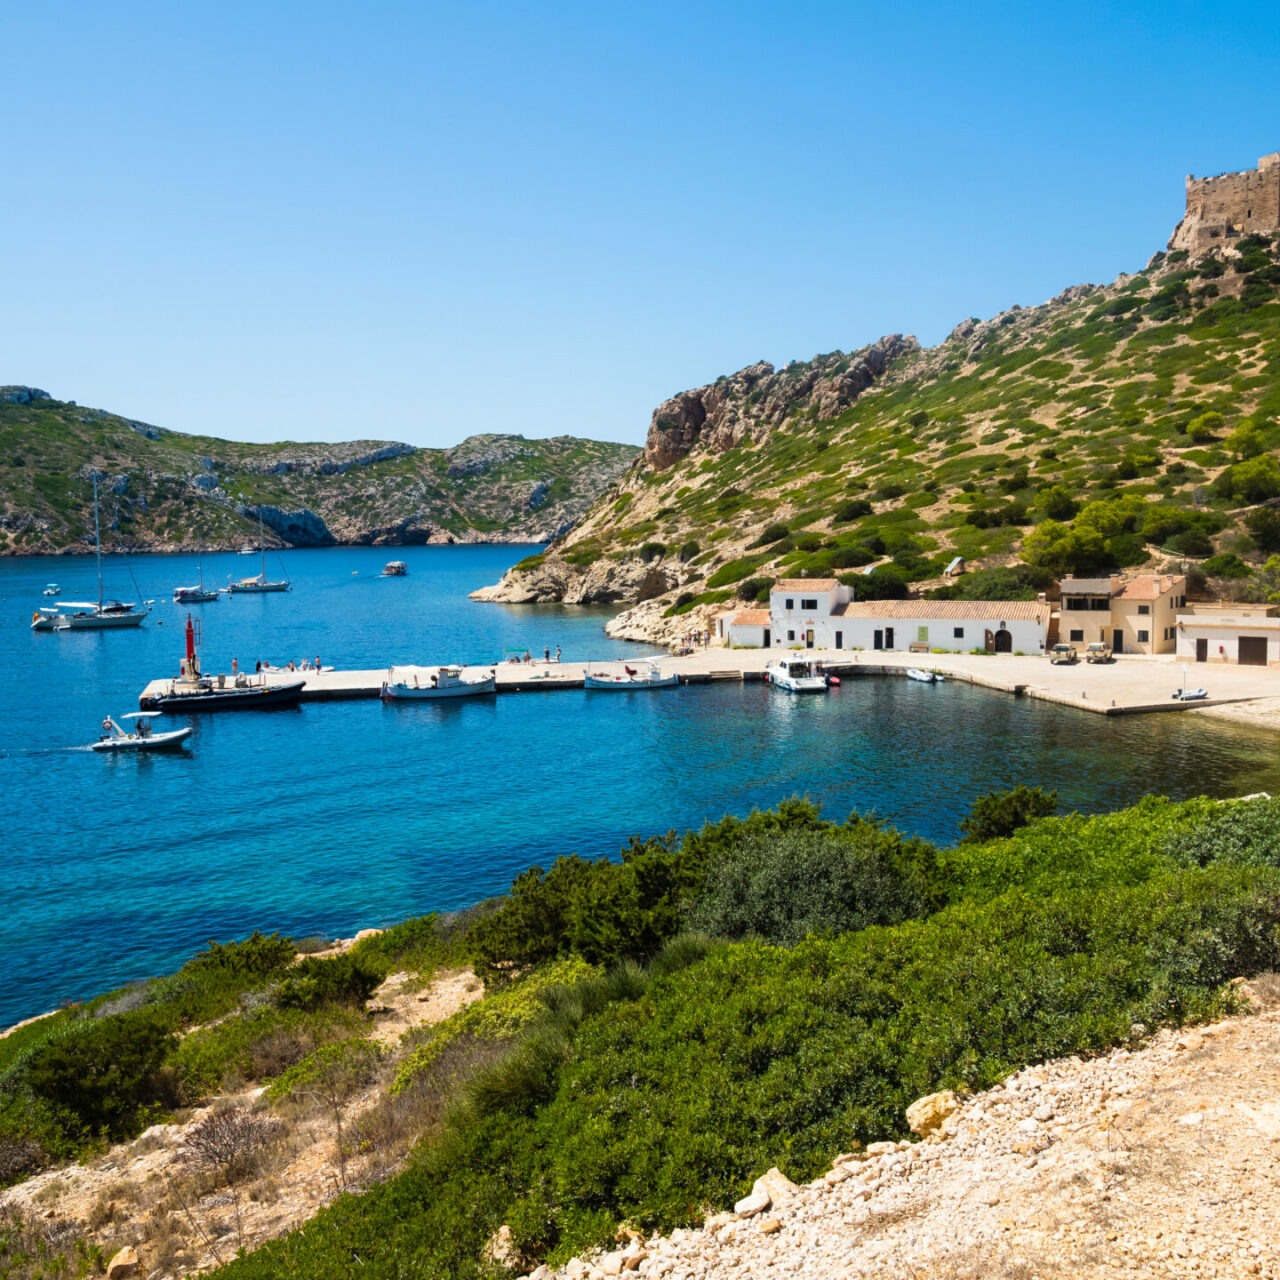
(1162, 1161)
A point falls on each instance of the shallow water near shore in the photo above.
(326, 818)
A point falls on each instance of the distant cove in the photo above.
(324, 819)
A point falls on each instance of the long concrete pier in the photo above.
(1130, 685)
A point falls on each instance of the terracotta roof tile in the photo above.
(1150, 587)
(751, 618)
(805, 584)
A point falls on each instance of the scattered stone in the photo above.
(882, 1148)
(769, 1226)
(927, 1114)
(749, 1206)
(125, 1263)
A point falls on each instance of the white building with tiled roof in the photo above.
(820, 613)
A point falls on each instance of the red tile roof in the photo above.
(1150, 587)
(805, 584)
(751, 618)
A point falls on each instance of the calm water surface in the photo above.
(326, 818)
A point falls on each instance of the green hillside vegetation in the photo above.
(1137, 424)
(659, 1030)
(163, 490)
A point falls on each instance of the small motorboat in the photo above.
(1190, 695)
(52, 590)
(248, 550)
(419, 683)
(193, 595)
(925, 677)
(394, 569)
(140, 738)
(650, 677)
(796, 675)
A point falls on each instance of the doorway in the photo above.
(766, 638)
(808, 639)
(1004, 640)
(839, 639)
(1253, 651)
(888, 637)
(1117, 641)
(877, 640)
(1202, 650)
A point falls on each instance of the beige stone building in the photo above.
(1134, 617)
(1223, 208)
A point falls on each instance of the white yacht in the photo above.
(260, 583)
(796, 675)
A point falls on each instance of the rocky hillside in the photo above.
(165, 491)
(1113, 426)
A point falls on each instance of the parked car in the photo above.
(1097, 652)
(1062, 653)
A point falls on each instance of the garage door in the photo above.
(1253, 651)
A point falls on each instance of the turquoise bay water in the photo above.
(326, 818)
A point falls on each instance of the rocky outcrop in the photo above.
(605, 582)
(750, 403)
(331, 460)
(22, 395)
(297, 528)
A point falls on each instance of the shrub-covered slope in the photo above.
(1137, 423)
(623, 1069)
(163, 490)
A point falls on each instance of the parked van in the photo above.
(1062, 653)
(1097, 652)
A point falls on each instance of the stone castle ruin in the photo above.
(1221, 209)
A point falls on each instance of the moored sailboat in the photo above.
(260, 583)
(88, 615)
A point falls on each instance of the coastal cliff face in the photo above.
(1046, 435)
(162, 490)
(748, 405)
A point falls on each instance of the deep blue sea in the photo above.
(326, 818)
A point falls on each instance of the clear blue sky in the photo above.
(418, 221)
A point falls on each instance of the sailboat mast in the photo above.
(97, 538)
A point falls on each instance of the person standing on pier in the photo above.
(546, 653)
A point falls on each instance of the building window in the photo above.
(1100, 605)
(1076, 635)
(1144, 608)
(808, 604)
(1143, 637)
(922, 635)
(791, 604)
(791, 635)
(1076, 602)
(958, 633)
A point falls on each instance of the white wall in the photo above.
(1224, 642)
(939, 633)
(743, 633)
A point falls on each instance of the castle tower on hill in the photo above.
(1222, 209)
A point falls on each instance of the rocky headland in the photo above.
(162, 490)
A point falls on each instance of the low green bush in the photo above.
(1000, 814)
(346, 979)
(784, 887)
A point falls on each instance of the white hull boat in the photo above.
(424, 683)
(796, 676)
(116, 738)
(925, 677)
(89, 615)
(630, 678)
(252, 586)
